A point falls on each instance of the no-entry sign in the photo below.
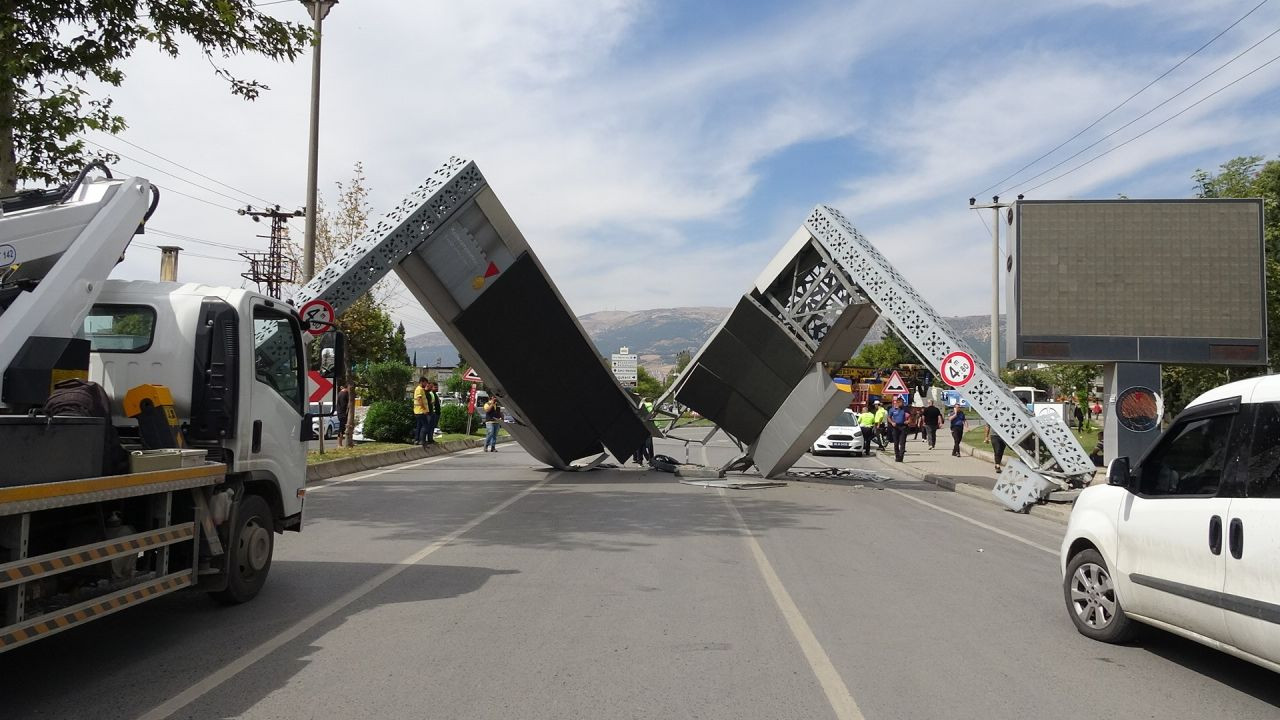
(958, 368)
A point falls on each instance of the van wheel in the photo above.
(1091, 600)
(250, 549)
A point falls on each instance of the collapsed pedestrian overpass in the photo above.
(760, 377)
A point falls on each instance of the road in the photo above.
(479, 585)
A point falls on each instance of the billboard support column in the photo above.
(1134, 406)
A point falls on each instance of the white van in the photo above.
(1188, 538)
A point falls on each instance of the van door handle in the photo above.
(1236, 538)
(1215, 535)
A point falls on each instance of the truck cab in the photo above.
(234, 362)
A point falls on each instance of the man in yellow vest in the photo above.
(882, 421)
(866, 424)
(420, 413)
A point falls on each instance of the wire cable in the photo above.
(1153, 127)
(175, 163)
(1171, 98)
(148, 246)
(1122, 104)
(165, 172)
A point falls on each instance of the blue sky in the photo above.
(657, 154)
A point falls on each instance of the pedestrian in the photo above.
(898, 416)
(420, 417)
(492, 420)
(433, 412)
(997, 447)
(866, 425)
(932, 417)
(957, 427)
(882, 424)
(644, 453)
(1079, 416)
(341, 406)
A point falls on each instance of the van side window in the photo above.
(1190, 460)
(1264, 456)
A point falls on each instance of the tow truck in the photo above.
(206, 393)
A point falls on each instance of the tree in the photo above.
(370, 334)
(647, 386)
(889, 352)
(1026, 377)
(387, 380)
(51, 49)
(1072, 379)
(398, 346)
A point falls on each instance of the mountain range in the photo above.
(658, 335)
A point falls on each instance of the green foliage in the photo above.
(390, 421)
(647, 386)
(1026, 377)
(50, 50)
(455, 383)
(387, 380)
(453, 419)
(370, 334)
(398, 347)
(891, 351)
(1071, 379)
(683, 358)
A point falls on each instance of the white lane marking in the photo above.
(393, 468)
(838, 694)
(230, 670)
(979, 523)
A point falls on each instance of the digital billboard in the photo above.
(1161, 281)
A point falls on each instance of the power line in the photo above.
(1157, 107)
(245, 193)
(190, 238)
(193, 197)
(1153, 127)
(1122, 104)
(166, 172)
(148, 246)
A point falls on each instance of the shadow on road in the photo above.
(127, 664)
(1226, 669)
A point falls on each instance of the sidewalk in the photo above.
(973, 473)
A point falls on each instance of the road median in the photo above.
(345, 466)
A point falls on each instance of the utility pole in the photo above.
(318, 9)
(995, 205)
(271, 268)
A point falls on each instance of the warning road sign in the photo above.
(895, 386)
(958, 368)
(318, 386)
(317, 315)
(471, 376)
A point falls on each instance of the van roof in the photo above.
(1252, 390)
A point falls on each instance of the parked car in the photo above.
(842, 437)
(1188, 538)
(330, 426)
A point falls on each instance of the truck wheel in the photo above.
(1092, 602)
(252, 542)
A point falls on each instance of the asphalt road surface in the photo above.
(480, 585)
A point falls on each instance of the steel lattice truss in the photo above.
(865, 269)
(419, 214)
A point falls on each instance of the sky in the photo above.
(659, 153)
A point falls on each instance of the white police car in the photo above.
(843, 437)
(1188, 538)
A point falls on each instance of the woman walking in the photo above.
(492, 419)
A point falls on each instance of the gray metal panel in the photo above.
(791, 430)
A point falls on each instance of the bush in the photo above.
(390, 421)
(453, 419)
(387, 380)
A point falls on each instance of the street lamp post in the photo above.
(318, 10)
(995, 206)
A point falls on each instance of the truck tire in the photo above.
(249, 551)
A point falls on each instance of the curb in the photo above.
(346, 466)
(1056, 513)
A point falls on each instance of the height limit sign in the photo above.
(317, 316)
(958, 368)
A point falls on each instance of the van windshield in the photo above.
(846, 418)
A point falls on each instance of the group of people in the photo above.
(899, 421)
(426, 411)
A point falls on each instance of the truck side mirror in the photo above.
(1118, 473)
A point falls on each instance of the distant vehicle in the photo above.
(330, 429)
(1187, 540)
(843, 437)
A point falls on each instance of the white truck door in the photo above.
(1167, 529)
(276, 400)
(1252, 546)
